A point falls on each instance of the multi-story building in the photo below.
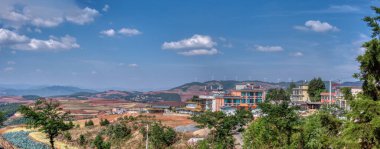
(337, 96)
(244, 96)
(300, 93)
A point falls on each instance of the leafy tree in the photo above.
(82, 140)
(2, 118)
(364, 122)
(222, 126)
(47, 117)
(275, 129)
(321, 130)
(100, 144)
(118, 131)
(104, 122)
(347, 95)
(277, 95)
(316, 87)
(290, 87)
(89, 123)
(161, 136)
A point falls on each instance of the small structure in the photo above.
(300, 93)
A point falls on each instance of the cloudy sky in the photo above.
(160, 44)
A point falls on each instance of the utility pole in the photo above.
(330, 93)
(147, 137)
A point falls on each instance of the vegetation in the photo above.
(21, 140)
(347, 95)
(316, 87)
(2, 118)
(45, 116)
(88, 123)
(118, 131)
(277, 95)
(31, 97)
(9, 109)
(222, 126)
(160, 136)
(100, 144)
(292, 85)
(104, 122)
(82, 140)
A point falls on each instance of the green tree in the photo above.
(222, 126)
(347, 95)
(100, 144)
(2, 118)
(118, 131)
(275, 129)
(316, 87)
(104, 122)
(82, 140)
(277, 95)
(89, 123)
(290, 87)
(47, 117)
(161, 136)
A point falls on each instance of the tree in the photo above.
(277, 95)
(275, 129)
(104, 122)
(118, 131)
(347, 95)
(161, 136)
(290, 88)
(222, 126)
(363, 125)
(82, 140)
(2, 118)
(89, 123)
(100, 144)
(47, 117)
(316, 87)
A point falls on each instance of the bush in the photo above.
(100, 144)
(118, 131)
(82, 140)
(21, 140)
(161, 136)
(104, 122)
(67, 135)
(89, 123)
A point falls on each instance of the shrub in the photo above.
(82, 140)
(118, 131)
(67, 135)
(100, 144)
(104, 122)
(89, 123)
(160, 136)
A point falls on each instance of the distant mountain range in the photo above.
(180, 93)
(43, 91)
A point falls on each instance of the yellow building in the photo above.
(300, 93)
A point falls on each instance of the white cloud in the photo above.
(10, 37)
(268, 48)
(8, 69)
(11, 62)
(133, 65)
(105, 8)
(123, 31)
(129, 31)
(40, 13)
(86, 15)
(297, 54)
(109, 33)
(199, 52)
(343, 8)
(196, 41)
(193, 46)
(317, 26)
(64, 43)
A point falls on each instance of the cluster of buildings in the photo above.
(244, 96)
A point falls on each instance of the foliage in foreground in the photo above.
(159, 136)
(21, 140)
(45, 116)
(222, 126)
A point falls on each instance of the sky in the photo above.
(152, 45)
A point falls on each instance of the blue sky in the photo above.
(161, 44)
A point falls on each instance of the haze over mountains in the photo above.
(179, 93)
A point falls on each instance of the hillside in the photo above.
(43, 91)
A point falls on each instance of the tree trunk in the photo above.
(51, 142)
